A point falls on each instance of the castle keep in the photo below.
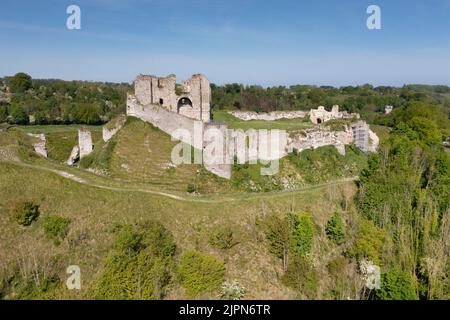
(191, 99)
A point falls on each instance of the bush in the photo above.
(369, 242)
(26, 213)
(221, 238)
(302, 277)
(191, 188)
(128, 239)
(396, 285)
(335, 228)
(303, 234)
(231, 291)
(140, 267)
(200, 273)
(56, 227)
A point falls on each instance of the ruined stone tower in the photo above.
(192, 98)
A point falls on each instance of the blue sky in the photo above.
(279, 42)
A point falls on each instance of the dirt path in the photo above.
(248, 196)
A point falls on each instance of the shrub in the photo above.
(302, 277)
(231, 291)
(200, 273)
(140, 267)
(221, 238)
(26, 213)
(396, 285)
(128, 239)
(369, 242)
(303, 234)
(56, 227)
(335, 228)
(191, 188)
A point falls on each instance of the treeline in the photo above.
(366, 100)
(24, 100)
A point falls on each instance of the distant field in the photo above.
(284, 124)
(58, 128)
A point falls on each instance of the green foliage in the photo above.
(335, 228)
(42, 288)
(18, 115)
(200, 273)
(26, 213)
(87, 113)
(303, 234)
(369, 242)
(64, 102)
(396, 285)
(337, 270)
(302, 277)
(191, 188)
(221, 238)
(3, 113)
(325, 163)
(278, 232)
(20, 82)
(55, 227)
(248, 177)
(141, 264)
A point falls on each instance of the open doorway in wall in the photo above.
(183, 102)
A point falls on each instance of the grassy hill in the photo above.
(33, 264)
(93, 213)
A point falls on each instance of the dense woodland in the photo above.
(402, 221)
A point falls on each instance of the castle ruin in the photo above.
(191, 99)
(187, 107)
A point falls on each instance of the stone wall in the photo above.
(40, 146)
(268, 116)
(118, 124)
(84, 142)
(320, 115)
(191, 124)
(320, 137)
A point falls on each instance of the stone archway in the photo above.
(183, 102)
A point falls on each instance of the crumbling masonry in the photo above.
(170, 107)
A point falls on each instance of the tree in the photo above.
(369, 242)
(87, 113)
(3, 113)
(140, 266)
(302, 277)
(396, 285)
(278, 232)
(18, 115)
(303, 234)
(20, 83)
(335, 228)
